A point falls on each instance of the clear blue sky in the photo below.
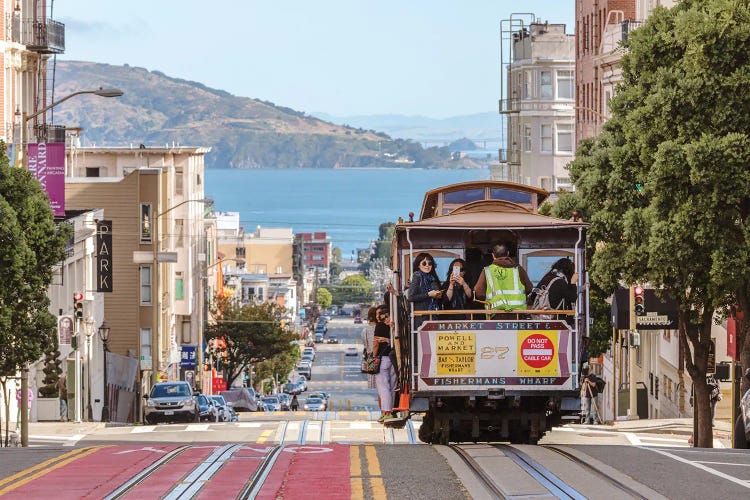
(435, 58)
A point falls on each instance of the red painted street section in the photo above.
(310, 471)
(236, 472)
(92, 476)
(168, 475)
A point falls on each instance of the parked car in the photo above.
(307, 358)
(314, 404)
(310, 351)
(273, 401)
(302, 381)
(324, 319)
(292, 388)
(222, 407)
(351, 351)
(207, 410)
(170, 402)
(332, 340)
(305, 370)
(242, 398)
(285, 400)
(358, 319)
(233, 417)
(322, 395)
(318, 339)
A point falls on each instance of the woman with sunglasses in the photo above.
(424, 287)
(456, 290)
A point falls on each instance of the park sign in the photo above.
(660, 311)
(46, 162)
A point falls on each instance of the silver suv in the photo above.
(171, 401)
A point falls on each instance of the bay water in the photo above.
(348, 204)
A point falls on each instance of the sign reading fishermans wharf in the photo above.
(104, 256)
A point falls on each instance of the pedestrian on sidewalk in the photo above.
(589, 393)
(30, 398)
(62, 388)
(294, 405)
(714, 395)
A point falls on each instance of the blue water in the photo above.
(349, 205)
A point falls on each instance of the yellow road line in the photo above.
(373, 465)
(355, 468)
(46, 467)
(264, 436)
(378, 488)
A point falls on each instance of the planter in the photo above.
(47, 409)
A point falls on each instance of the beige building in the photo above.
(265, 251)
(539, 105)
(155, 200)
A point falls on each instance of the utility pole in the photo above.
(631, 359)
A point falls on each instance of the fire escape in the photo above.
(45, 37)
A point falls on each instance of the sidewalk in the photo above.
(53, 430)
(683, 426)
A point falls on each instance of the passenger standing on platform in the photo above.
(504, 283)
(368, 336)
(456, 289)
(386, 378)
(424, 287)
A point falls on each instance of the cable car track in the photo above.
(254, 485)
(134, 481)
(614, 482)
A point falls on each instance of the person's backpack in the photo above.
(541, 300)
(600, 383)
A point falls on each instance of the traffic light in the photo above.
(639, 299)
(78, 306)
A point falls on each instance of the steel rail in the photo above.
(411, 434)
(541, 474)
(614, 482)
(134, 481)
(492, 487)
(200, 475)
(322, 432)
(283, 432)
(302, 434)
(255, 483)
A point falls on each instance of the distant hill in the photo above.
(479, 127)
(243, 132)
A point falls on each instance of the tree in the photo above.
(32, 244)
(324, 298)
(666, 184)
(354, 288)
(383, 244)
(52, 370)
(249, 332)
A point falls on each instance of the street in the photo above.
(344, 453)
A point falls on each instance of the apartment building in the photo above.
(538, 104)
(316, 249)
(154, 199)
(264, 251)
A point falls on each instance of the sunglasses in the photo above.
(426, 264)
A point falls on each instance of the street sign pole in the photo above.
(631, 360)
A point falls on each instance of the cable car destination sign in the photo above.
(455, 355)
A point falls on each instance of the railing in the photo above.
(40, 35)
(614, 34)
(509, 105)
(521, 315)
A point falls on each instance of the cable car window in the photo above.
(510, 195)
(463, 196)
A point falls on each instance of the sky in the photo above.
(434, 58)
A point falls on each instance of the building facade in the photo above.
(155, 201)
(539, 107)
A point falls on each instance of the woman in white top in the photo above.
(367, 341)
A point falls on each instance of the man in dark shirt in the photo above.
(589, 394)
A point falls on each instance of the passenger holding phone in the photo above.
(456, 289)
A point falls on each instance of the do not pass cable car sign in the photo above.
(536, 355)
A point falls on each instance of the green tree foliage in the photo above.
(52, 370)
(252, 333)
(383, 244)
(666, 184)
(324, 298)
(32, 244)
(355, 288)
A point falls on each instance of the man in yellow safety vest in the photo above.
(504, 283)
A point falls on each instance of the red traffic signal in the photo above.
(639, 300)
(78, 305)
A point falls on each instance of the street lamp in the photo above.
(89, 331)
(25, 117)
(104, 336)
